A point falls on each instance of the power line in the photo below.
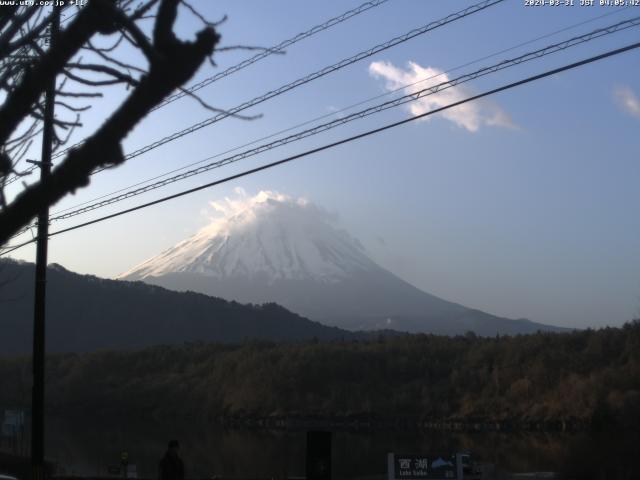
(239, 66)
(15, 178)
(504, 64)
(431, 90)
(342, 110)
(306, 79)
(343, 141)
(270, 51)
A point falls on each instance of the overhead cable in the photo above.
(339, 142)
(413, 96)
(245, 63)
(306, 79)
(270, 51)
(340, 111)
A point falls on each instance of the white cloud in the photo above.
(470, 116)
(627, 100)
(228, 207)
(243, 204)
(244, 209)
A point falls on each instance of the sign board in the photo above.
(423, 467)
(132, 471)
(13, 422)
(119, 470)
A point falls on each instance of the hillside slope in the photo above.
(86, 313)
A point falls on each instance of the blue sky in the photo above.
(523, 205)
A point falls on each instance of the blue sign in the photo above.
(423, 467)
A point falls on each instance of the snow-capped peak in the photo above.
(269, 234)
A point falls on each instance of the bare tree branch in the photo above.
(172, 63)
(71, 107)
(14, 28)
(33, 34)
(93, 18)
(102, 53)
(94, 67)
(98, 83)
(199, 16)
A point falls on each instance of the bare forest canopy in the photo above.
(581, 379)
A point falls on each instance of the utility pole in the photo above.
(37, 394)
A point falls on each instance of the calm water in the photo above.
(87, 447)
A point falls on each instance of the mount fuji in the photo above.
(273, 248)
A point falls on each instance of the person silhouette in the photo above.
(171, 465)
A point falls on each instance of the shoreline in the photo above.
(362, 422)
(377, 423)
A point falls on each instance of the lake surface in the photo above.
(88, 447)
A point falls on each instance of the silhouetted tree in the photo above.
(83, 64)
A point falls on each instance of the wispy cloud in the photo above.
(227, 207)
(470, 116)
(244, 208)
(627, 100)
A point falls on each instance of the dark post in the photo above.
(37, 396)
(124, 461)
(318, 455)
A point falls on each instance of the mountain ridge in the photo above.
(86, 313)
(272, 247)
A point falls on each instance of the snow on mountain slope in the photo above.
(270, 235)
(272, 248)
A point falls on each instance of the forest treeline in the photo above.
(589, 377)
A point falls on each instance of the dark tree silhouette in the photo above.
(83, 66)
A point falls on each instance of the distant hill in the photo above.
(272, 248)
(86, 313)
